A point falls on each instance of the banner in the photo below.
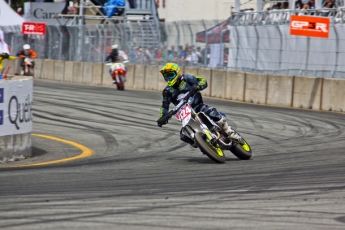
(309, 26)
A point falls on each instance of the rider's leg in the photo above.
(219, 119)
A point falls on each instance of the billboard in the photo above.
(46, 12)
(309, 26)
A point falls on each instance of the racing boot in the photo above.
(227, 129)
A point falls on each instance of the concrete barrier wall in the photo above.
(218, 86)
(151, 77)
(333, 95)
(256, 88)
(69, 71)
(279, 90)
(139, 80)
(78, 72)
(59, 70)
(38, 68)
(48, 71)
(235, 85)
(307, 93)
(97, 72)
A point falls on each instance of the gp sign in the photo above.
(34, 28)
(309, 26)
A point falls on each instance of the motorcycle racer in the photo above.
(4, 56)
(116, 55)
(26, 52)
(177, 84)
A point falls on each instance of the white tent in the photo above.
(8, 17)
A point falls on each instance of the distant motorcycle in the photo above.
(118, 72)
(27, 69)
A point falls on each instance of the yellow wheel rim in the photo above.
(216, 150)
(245, 146)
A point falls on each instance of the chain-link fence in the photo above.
(251, 41)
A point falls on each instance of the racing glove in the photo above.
(164, 119)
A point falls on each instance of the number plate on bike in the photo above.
(184, 113)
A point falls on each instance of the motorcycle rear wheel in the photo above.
(208, 149)
(243, 152)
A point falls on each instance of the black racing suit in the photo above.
(184, 85)
(113, 57)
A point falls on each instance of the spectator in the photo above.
(110, 7)
(164, 53)
(191, 57)
(309, 5)
(181, 54)
(172, 48)
(133, 55)
(206, 55)
(328, 4)
(170, 56)
(199, 54)
(148, 55)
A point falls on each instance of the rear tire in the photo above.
(243, 152)
(206, 149)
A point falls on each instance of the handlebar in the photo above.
(163, 120)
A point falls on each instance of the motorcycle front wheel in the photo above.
(241, 151)
(120, 84)
(215, 154)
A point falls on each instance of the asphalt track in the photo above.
(138, 176)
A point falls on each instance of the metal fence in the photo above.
(251, 41)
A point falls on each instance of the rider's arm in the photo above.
(166, 99)
(109, 57)
(33, 54)
(196, 80)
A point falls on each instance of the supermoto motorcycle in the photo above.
(118, 72)
(208, 136)
(27, 69)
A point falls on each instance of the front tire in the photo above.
(208, 149)
(243, 152)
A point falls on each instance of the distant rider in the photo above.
(177, 84)
(116, 55)
(26, 52)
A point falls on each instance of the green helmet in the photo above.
(171, 73)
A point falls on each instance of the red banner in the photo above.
(34, 28)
